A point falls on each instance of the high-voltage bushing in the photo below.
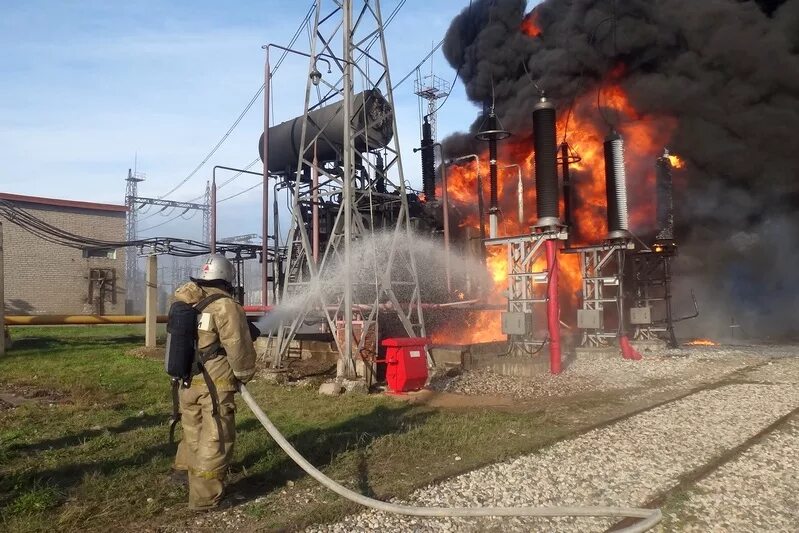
(428, 161)
(616, 188)
(665, 197)
(546, 164)
(567, 158)
(491, 131)
(372, 117)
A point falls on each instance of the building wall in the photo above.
(46, 278)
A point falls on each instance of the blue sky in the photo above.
(86, 85)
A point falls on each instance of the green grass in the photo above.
(98, 458)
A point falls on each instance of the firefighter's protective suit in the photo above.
(208, 406)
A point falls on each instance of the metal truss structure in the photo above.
(602, 270)
(311, 281)
(431, 88)
(528, 288)
(651, 314)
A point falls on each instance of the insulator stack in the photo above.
(428, 162)
(492, 163)
(616, 187)
(665, 197)
(546, 165)
(380, 174)
(491, 132)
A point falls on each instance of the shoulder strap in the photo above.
(208, 300)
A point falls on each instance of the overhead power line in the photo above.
(244, 112)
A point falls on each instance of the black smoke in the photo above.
(726, 70)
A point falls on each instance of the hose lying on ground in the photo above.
(649, 517)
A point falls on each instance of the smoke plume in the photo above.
(727, 71)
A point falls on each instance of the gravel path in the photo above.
(666, 371)
(756, 492)
(626, 463)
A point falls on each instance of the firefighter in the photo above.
(227, 354)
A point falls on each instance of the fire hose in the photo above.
(648, 517)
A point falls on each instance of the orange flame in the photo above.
(585, 132)
(477, 327)
(676, 162)
(701, 342)
(531, 25)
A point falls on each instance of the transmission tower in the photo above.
(131, 269)
(360, 125)
(207, 214)
(431, 88)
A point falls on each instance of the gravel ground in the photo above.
(756, 492)
(666, 371)
(777, 371)
(626, 463)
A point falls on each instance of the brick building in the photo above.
(46, 278)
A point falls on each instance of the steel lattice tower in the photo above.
(131, 269)
(207, 214)
(431, 88)
(360, 60)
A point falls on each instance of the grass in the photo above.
(97, 457)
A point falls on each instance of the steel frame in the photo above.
(601, 267)
(651, 275)
(524, 292)
(304, 277)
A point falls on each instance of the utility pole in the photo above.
(151, 302)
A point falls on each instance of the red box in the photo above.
(406, 362)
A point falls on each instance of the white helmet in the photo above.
(217, 267)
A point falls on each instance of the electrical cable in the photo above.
(457, 73)
(648, 517)
(414, 69)
(246, 109)
(248, 189)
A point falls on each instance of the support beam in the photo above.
(151, 302)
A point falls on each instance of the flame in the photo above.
(531, 25)
(701, 342)
(476, 327)
(676, 162)
(585, 129)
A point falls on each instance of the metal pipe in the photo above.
(77, 320)
(445, 206)
(553, 307)
(348, 369)
(315, 207)
(519, 191)
(276, 246)
(265, 206)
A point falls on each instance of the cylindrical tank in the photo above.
(665, 203)
(616, 187)
(428, 162)
(371, 116)
(546, 164)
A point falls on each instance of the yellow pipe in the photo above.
(77, 320)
